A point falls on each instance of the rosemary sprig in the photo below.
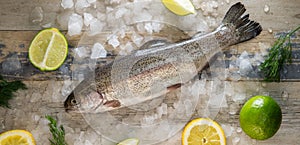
(280, 53)
(58, 133)
(7, 90)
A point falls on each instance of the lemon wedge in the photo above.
(130, 141)
(179, 7)
(16, 137)
(203, 131)
(48, 49)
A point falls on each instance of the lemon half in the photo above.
(16, 137)
(203, 131)
(179, 7)
(48, 49)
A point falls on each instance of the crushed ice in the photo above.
(75, 24)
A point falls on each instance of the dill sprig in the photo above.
(58, 133)
(280, 53)
(7, 90)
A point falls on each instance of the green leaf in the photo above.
(280, 53)
(7, 90)
(58, 133)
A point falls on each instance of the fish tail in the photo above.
(243, 28)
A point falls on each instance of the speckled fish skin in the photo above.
(158, 67)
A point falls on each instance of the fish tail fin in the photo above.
(244, 28)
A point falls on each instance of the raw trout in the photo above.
(158, 67)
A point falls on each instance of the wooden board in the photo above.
(16, 33)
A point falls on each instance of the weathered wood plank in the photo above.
(22, 39)
(15, 14)
(47, 97)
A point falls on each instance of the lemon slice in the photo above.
(179, 7)
(130, 141)
(48, 49)
(16, 137)
(203, 131)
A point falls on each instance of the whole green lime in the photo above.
(260, 117)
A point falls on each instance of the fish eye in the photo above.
(74, 102)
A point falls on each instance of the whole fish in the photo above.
(158, 66)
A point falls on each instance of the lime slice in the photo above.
(130, 141)
(203, 131)
(16, 137)
(48, 49)
(260, 117)
(179, 7)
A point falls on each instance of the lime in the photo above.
(260, 117)
(130, 141)
(179, 7)
(203, 131)
(16, 137)
(48, 49)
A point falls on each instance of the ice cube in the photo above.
(244, 55)
(81, 51)
(87, 18)
(149, 28)
(98, 51)
(67, 4)
(36, 15)
(188, 107)
(12, 64)
(209, 8)
(75, 24)
(146, 120)
(95, 27)
(258, 59)
(80, 4)
(63, 18)
(164, 108)
(238, 97)
(137, 39)
(91, 1)
(266, 8)
(227, 129)
(115, 1)
(159, 111)
(140, 27)
(128, 47)
(47, 25)
(120, 12)
(245, 67)
(113, 40)
(156, 27)
(87, 142)
(236, 140)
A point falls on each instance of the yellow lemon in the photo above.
(16, 137)
(203, 131)
(179, 7)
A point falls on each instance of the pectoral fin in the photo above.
(174, 87)
(112, 103)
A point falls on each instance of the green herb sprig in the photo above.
(7, 90)
(58, 133)
(280, 53)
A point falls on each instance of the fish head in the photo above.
(80, 103)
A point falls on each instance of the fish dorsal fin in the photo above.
(154, 43)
